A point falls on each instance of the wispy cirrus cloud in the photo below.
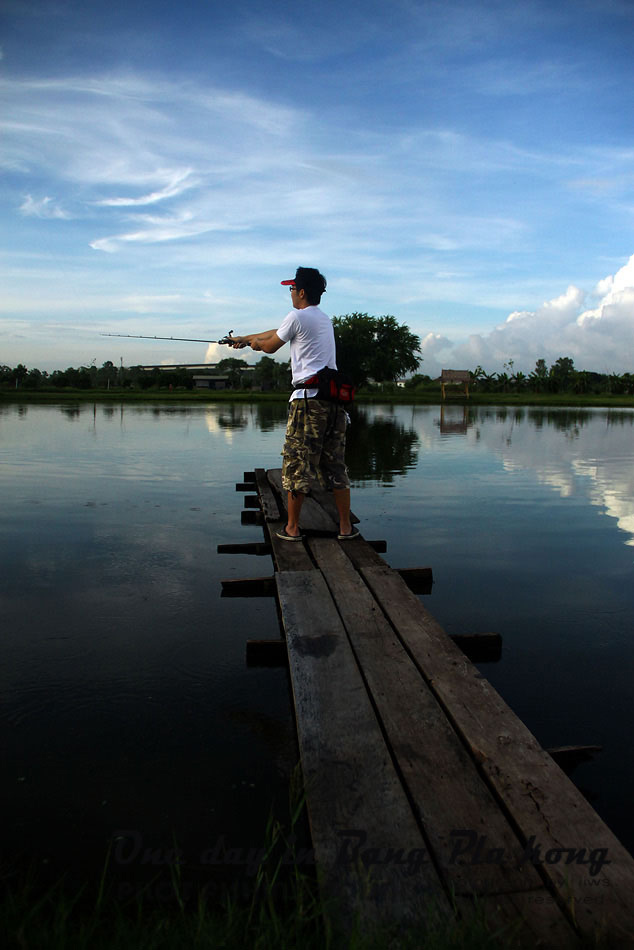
(46, 207)
(177, 183)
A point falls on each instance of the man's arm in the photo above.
(267, 342)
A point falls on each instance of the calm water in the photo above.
(128, 710)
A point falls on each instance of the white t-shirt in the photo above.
(312, 341)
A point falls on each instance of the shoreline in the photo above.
(509, 400)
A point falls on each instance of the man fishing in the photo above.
(316, 429)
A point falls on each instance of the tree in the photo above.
(232, 368)
(538, 379)
(271, 374)
(375, 348)
(561, 373)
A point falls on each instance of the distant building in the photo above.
(210, 382)
(170, 367)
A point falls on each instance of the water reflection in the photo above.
(111, 530)
(234, 417)
(455, 420)
(379, 447)
(576, 452)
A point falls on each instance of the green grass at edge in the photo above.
(279, 916)
(164, 396)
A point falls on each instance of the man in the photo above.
(316, 429)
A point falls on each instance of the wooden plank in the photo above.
(363, 554)
(356, 805)
(327, 501)
(320, 495)
(268, 501)
(461, 820)
(313, 517)
(251, 501)
(560, 832)
(288, 556)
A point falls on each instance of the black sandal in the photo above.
(283, 534)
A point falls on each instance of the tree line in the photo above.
(370, 349)
(560, 377)
(375, 351)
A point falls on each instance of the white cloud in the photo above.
(600, 339)
(177, 183)
(43, 208)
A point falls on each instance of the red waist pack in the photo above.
(332, 385)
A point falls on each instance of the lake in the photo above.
(129, 715)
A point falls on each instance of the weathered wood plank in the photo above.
(363, 555)
(268, 501)
(355, 800)
(288, 556)
(323, 498)
(327, 502)
(561, 833)
(461, 819)
(313, 517)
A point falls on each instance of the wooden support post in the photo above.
(568, 757)
(251, 501)
(418, 579)
(480, 647)
(267, 653)
(251, 517)
(379, 546)
(258, 547)
(248, 587)
(249, 477)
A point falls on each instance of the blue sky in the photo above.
(467, 166)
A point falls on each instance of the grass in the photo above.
(277, 917)
(432, 397)
(282, 909)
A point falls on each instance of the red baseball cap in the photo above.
(288, 283)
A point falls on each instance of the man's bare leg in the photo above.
(342, 501)
(295, 502)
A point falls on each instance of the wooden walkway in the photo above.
(421, 783)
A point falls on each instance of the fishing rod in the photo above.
(180, 339)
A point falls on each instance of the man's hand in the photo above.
(267, 342)
(238, 342)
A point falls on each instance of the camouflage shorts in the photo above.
(315, 446)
